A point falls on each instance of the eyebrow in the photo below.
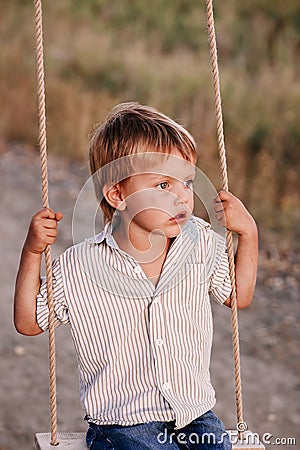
(155, 176)
(191, 175)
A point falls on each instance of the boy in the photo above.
(136, 296)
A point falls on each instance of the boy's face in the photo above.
(161, 199)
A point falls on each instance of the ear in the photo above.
(114, 196)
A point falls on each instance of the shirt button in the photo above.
(159, 342)
(166, 386)
(137, 269)
(155, 300)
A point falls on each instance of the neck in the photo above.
(145, 246)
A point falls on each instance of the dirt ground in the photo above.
(269, 329)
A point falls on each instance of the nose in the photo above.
(181, 192)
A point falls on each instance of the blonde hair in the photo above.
(132, 129)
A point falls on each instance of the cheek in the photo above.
(153, 216)
(159, 199)
(149, 199)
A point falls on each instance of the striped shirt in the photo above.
(143, 351)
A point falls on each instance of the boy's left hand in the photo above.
(232, 214)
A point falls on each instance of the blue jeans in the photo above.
(207, 432)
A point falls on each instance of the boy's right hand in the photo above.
(42, 230)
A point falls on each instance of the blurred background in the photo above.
(99, 53)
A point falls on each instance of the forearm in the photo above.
(26, 290)
(246, 262)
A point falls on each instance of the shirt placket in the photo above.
(159, 348)
(158, 315)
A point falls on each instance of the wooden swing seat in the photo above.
(76, 441)
(66, 441)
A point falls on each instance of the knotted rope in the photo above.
(241, 426)
(45, 201)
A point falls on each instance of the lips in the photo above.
(180, 217)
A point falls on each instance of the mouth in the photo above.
(179, 218)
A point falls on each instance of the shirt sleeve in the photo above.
(219, 280)
(60, 308)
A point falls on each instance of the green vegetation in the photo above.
(99, 53)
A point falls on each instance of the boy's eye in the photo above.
(188, 183)
(163, 185)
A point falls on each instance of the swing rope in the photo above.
(45, 200)
(241, 426)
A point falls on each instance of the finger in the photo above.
(46, 213)
(220, 216)
(218, 208)
(219, 200)
(51, 240)
(224, 196)
(58, 216)
(216, 199)
(51, 234)
(221, 222)
(50, 224)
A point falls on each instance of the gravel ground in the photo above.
(269, 329)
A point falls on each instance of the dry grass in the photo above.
(98, 55)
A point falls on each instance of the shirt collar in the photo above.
(105, 234)
(189, 229)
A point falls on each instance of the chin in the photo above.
(174, 232)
